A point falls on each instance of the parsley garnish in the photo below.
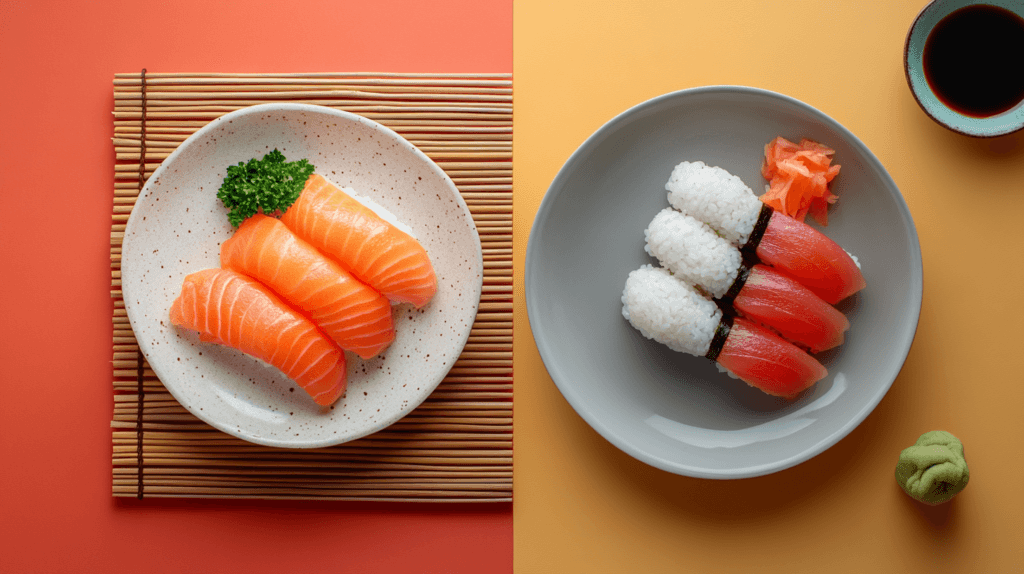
(267, 185)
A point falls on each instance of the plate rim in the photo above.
(531, 290)
(348, 116)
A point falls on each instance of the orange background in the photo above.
(582, 505)
(58, 60)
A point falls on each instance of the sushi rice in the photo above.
(716, 197)
(691, 250)
(669, 311)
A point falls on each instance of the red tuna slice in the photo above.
(763, 360)
(814, 260)
(781, 302)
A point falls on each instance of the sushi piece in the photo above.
(376, 251)
(720, 199)
(351, 313)
(782, 303)
(231, 309)
(669, 311)
(810, 257)
(694, 253)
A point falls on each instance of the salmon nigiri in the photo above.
(354, 315)
(375, 251)
(231, 309)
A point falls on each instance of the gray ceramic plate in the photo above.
(675, 411)
(178, 224)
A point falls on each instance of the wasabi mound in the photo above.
(934, 470)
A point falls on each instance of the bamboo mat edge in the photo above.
(455, 447)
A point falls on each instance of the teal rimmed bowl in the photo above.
(913, 63)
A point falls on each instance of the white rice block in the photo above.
(669, 311)
(716, 197)
(692, 251)
(855, 260)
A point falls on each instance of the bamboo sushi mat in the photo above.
(457, 446)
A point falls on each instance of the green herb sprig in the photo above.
(269, 185)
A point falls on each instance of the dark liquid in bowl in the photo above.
(974, 60)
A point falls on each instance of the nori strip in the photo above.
(721, 334)
(737, 285)
(759, 228)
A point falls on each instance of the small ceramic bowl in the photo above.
(913, 64)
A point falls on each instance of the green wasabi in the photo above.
(934, 470)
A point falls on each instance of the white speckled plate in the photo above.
(178, 224)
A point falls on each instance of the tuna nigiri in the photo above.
(354, 315)
(727, 205)
(667, 310)
(693, 252)
(377, 252)
(810, 257)
(231, 309)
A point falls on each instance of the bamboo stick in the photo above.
(498, 471)
(190, 126)
(332, 476)
(127, 191)
(462, 155)
(421, 140)
(436, 423)
(183, 492)
(346, 93)
(498, 169)
(441, 91)
(217, 437)
(272, 459)
(424, 446)
(462, 367)
(156, 134)
(360, 107)
(461, 483)
(194, 82)
(369, 490)
(387, 76)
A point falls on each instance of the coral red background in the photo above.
(58, 60)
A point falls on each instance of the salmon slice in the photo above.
(763, 360)
(231, 309)
(353, 314)
(814, 260)
(375, 251)
(781, 302)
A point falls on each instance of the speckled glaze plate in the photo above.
(675, 411)
(178, 225)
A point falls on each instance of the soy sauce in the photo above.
(974, 60)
